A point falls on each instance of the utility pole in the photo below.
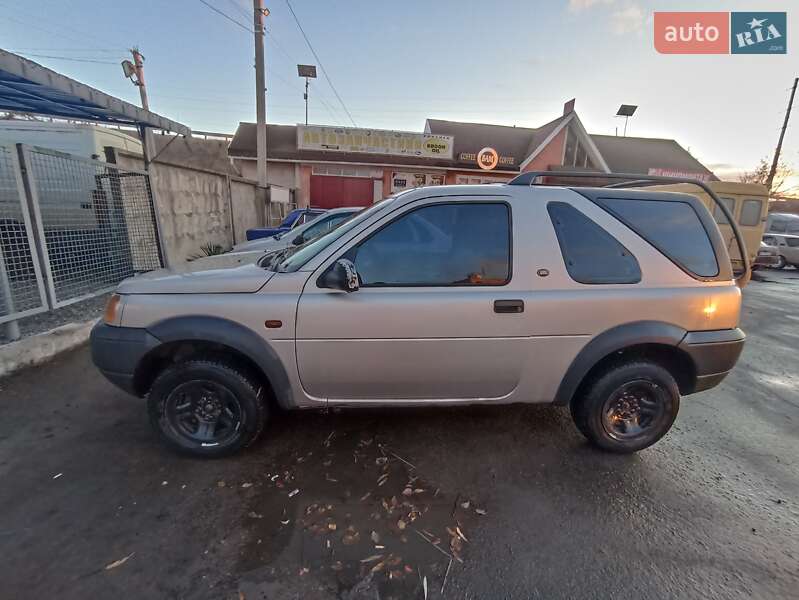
(138, 63)
(305, 95)
(776, 160)
(260, 89)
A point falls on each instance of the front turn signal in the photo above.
(113, 310)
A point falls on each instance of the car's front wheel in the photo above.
(206, 408)
(628, 407)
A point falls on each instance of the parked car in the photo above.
(297, 217)
(613, 302)
(767, 256)
(299, 235)
(782, 223)
(787, 247)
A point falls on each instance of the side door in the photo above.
(425, 323)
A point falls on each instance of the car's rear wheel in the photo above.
(206, 408)
(628, 407)
(781, 262)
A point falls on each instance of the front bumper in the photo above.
(714, 354)
(766, 260)
(117, 351)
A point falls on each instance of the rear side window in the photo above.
(792, 242)
(591, 254)
(778, 226)
(750, 213)
(673, 227)
(718, 215)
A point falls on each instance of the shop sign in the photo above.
(374, 141)
(473, 157)
(404, 181)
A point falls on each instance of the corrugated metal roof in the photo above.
(26, 86)
(638, 155)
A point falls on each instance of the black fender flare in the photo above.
(610, 341)
(204, 328)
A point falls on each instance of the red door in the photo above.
(328, 191)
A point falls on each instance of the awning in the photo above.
(28, 87)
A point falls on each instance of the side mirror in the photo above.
(341, 276)
(299, 240)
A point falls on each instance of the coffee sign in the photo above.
(487, 159)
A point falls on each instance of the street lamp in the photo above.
(626, 111)
(309, 72)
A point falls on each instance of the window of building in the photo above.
(456, 244)
(673, 227)
(750, 213)
(591, 254)
(718, 215)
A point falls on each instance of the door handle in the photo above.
(508, 306)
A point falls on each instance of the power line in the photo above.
(85, 60)
(319, 61)
(240, 9)
(227, 16)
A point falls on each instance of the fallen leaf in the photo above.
(351, 536)
(375, 537)
(57, 475)
(220, 484)
(293, 493)
(120, 562)
(424, 586)
(365, 496)
(254, 515)
(331, 526)
(337, 566)
(327, 463)
(401, 524)
(460, 533)
(407, 491)
(480, 511)
(465, 504)
(304, 571)
(329, 478)
(286, 522)
(408, 569)
(246, 485)
(378, 567)
(372, 558)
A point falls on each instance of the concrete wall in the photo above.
(277, 173)
(197, 207)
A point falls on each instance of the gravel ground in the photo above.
(91, 506)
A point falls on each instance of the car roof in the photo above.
(776, 234)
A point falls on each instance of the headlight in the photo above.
(113, 310)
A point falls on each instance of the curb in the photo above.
(41, 347)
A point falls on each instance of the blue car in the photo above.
(297, 217)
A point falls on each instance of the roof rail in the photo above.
(635, 179)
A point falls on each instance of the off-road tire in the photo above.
(244, 387)
(590, 409)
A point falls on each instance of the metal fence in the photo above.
(71, 228)
(21, 284)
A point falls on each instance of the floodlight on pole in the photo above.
(626, 111)
(309, 72)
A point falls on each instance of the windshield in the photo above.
(291, 259)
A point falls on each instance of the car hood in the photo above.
(263, 244)
(210, 277)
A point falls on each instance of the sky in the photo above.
(394, 64)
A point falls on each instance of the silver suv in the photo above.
(612, 302)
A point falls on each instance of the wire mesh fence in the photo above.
(96, 221)
(21, 284)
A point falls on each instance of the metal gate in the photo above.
(22, 291)
(70, 228)
(94, 223)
